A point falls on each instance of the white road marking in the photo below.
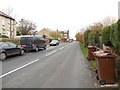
(61, 48)
(18, 68)
(28, 63)
(51, 53)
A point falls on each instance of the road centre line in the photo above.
(18, 68)
(54, 51)
(51, 53)
(61, 48)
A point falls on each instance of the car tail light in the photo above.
(33, 45)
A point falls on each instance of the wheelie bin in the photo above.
(106, 68)
(91, 49)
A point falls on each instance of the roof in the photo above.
(45, 29)
(5, 15)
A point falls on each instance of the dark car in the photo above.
(54, 43)
(8, 49)
(32, 43)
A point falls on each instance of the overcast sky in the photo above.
(62, 14)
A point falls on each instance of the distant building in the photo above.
(45, 31)
(64, 33)
(7, 25)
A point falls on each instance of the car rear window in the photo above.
(27, 39)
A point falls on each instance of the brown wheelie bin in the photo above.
(91, 49)
(106, 68)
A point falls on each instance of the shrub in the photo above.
(91, 38)
(3, 36)
(15, 40)
(114, 33)
(106, 36)
(18, 33)
(94, 38)
(86, 35)
(118, 68)
(118, 36)
(97, 39)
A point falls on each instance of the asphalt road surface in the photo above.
(60, 66)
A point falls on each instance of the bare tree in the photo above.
(109, 21)
(25, 26)
(96, 26)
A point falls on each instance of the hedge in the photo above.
(3, 36)
(91, 38)
(86, 35)
(15, 40)
(106, 36)
(114, 36)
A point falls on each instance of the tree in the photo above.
(78, 36)
(96, 26)
(109, 21)
(25, 26)
(55, 35)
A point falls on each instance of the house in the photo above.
(64, 33)
(45, 31)
(7, 25)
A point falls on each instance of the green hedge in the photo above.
(3, 36)
(106, 36)
(86, 35)
(15, 40)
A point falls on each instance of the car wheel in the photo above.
(45, 48)
(36, 49)
(3, 56)
(22, 52)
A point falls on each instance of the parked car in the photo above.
(32, 43)
(8, 49)
(54, 43)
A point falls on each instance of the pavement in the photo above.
(60, 66)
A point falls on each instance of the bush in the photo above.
(91, 38)
(18, 33)
(118, 68)
(114, 37)
(3, 36)
(106, 36)
(118, 36)
(97, 39)
(94, 38)
(15, 40)
(86, 35)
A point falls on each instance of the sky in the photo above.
(70, 15)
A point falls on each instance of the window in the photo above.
(12, 45)
(9, 21)
(3, 22)
(5, 45)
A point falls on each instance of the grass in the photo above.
(84, 49)
(93, 64)
(85, 53)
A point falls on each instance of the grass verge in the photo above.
(85, 53)
(84, 49)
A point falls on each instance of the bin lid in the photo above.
(105, 55)
(97, 52)
(91, 47)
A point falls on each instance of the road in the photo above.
(60, 66)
